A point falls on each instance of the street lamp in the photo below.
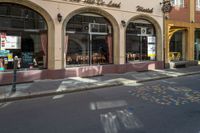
(123, 22)
(59, 17)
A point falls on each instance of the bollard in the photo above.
(14, 74)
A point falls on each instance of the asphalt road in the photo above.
(164, 106)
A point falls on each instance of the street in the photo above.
(162, 106)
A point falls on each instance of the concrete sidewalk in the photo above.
(48, 87)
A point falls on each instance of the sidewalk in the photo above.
(48, 87)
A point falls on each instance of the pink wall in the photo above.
(30, 75)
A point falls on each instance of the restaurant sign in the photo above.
(146, 10)
(97, 2)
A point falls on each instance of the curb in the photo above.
(84, 88)
(51, 93)
(190, 73)
(157, 78)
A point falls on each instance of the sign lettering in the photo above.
(97, 2)
(142, 9)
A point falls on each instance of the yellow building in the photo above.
(182, 33)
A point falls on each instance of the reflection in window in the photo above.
(176, 46)
(23, 33)
(140, 41)
(178, 3)
(198, 5)
(88, 40)
(197, 45)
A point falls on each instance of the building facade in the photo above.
(62, 38)
(182, 32)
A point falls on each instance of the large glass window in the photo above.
(176, 46)
(197, 45)
(23, 33)
(140, 41)
(197, 5)
(88, 40)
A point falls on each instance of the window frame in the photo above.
(178, 3)
(198, 5)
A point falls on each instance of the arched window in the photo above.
(23, 33)
(140, 41)
(88, 40)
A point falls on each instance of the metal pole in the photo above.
(14, 74)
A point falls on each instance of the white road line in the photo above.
(107, 104)
(58, 96)
(3, 105)
(83, 79)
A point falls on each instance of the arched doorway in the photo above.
(140, 41)
(88, 40)
(23, 33)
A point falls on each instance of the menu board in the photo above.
(27, 59)
(13, 42)
(9, 42)
(151, 47)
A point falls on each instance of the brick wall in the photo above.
(197, 14)
(181, 13)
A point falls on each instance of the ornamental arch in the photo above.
(40, 35)
(99, 32)
(143, 39)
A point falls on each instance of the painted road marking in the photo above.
(129, 120)
(84, 79)
(110, 122)
(121, 119)
(3, 105)
(107, 104)
(58, 96)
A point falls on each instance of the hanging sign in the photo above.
(167, 6)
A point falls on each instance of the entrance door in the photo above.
(197, 45)
(176, 47)
(197, 51)
(144, 47)
(99, 49)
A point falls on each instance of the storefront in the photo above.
(63, 38)
(182, 44)
(182, 34)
